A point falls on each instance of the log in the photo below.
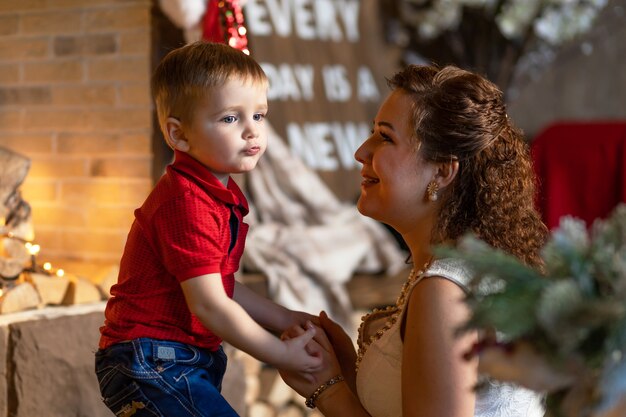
(251, 370)
(234, 381)
(10, 268)
(280, 393)
(387, 287)
(315, 413)
(252, 366)
(291, 410)
(253, 388)
(13, 170)
(12, 246)
(21, 297)
(267, 376)
(261, 409)
(51, 289)
(80, 291)
(106, 279)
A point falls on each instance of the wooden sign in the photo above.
(327, 63)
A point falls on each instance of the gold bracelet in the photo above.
(310, 402)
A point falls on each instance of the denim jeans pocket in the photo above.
(165, 355)
(130, 401)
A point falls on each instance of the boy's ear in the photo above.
(446, 172)
(174, 135)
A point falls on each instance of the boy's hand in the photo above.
(312, 347)
(301, 354)
(306, 382)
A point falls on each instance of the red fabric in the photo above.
(581, 168)
(224, 22)
(181, 231)
(212, 30)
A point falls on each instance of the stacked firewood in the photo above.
(25, 284)
(266, 394)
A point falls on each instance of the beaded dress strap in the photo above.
(455, 270)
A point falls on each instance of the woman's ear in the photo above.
(174, 135)
(446, 172)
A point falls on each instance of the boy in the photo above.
(176, 298)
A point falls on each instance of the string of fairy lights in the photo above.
(33, 250)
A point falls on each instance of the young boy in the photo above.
(176, 298)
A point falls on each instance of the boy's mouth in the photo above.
(253, 150)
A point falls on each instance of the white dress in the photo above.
(378, 377)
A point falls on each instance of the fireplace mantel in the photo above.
(47, 363)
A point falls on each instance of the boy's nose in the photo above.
(251, 131)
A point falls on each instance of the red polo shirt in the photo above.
(181, 231)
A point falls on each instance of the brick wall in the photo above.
(75, 98)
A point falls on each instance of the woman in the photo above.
(443, 159)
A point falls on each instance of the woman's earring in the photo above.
(432, 190)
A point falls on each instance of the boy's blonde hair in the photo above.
(188, 73)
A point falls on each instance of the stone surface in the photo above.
(51, 367)
(47, 364)
(234, 383)
(4, 333)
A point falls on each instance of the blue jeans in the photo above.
(149, 377)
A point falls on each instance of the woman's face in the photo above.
(395, 176)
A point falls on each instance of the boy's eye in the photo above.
(258, 117)
(229, 119)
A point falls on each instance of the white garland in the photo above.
(554, 21)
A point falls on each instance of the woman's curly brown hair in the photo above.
(461, 115)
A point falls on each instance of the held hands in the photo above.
(299, 318)
(343, 347)
(298, 357)
(305, 383)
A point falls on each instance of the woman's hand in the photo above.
(343, 347)
(300, 318)
(304, 383)
(337, 400)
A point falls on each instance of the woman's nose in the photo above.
(363, 153)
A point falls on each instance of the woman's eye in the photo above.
(229, 119)
(385, 137)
